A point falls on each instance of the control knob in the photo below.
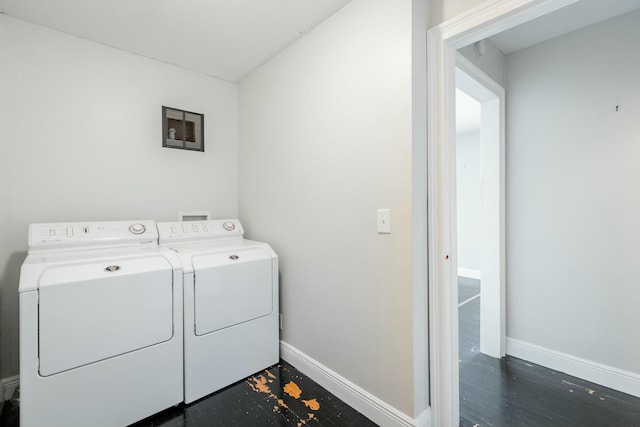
(229, 226)
(137, 228)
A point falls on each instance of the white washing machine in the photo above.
(231, 320)
(100, 325)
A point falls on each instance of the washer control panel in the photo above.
(199, 230)
(66, 235)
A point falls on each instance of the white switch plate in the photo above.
(384, 221)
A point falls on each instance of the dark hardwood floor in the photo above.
(278, 396)
(467, 288)
(514, 393)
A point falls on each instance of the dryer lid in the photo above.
(232, 288)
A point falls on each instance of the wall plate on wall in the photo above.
(182, 129)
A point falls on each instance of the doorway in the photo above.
(481, 218)
(480, 226)
(443, 42)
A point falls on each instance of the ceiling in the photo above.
(230, 38)
(570, 18)
(226, 39)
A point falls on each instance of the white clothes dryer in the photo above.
(100, 325)
(231, 316)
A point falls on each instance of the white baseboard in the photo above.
(361, 400)
(608, 376)
(470, 273)
(424, 420)
(9, 386)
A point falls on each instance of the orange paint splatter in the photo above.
(270, 375)
(281, 403)
(312, 404)
(292, 390)
(259, 384)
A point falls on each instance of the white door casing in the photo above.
(443, 40)
(491, 97)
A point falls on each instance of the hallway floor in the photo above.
(278, 396)
(514, 393)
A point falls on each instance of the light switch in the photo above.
(384, 221)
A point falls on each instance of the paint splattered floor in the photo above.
(277, 396)
(515, 393)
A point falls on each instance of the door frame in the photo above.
(443, 41)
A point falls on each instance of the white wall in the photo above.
(420, 16)
(325, 140)
(572, 193)
(469, 200)
(443, 10)
(80, 131)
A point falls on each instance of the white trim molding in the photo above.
(361, 400)
(608, 376)
(9, 386)
(492, 99)
(424, 419)
(485, 20)
(469, 273)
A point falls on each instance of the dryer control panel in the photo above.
(199, 230)
(87, 235)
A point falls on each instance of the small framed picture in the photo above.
(182, 129)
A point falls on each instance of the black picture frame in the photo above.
(182, 129)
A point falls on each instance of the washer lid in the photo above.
(109, 268)
(95, 311)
